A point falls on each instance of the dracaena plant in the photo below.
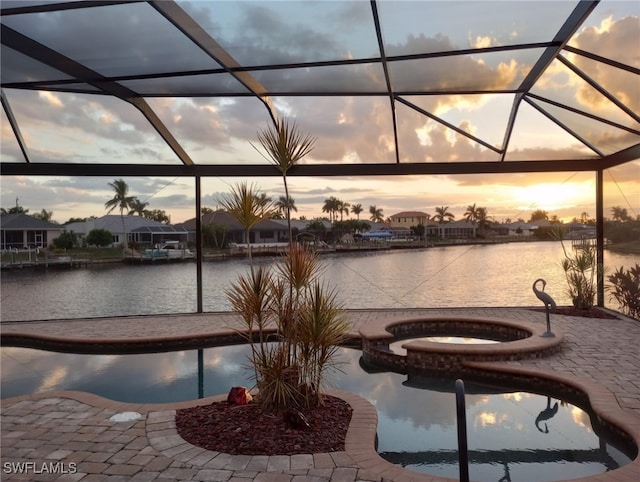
(580, 268)
(293, 321)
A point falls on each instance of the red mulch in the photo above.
(571, 311)
(247, 430)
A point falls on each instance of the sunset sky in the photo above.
(64, 127)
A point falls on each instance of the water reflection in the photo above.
(546, 414)
(512, 435)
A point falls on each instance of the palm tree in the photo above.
(246, 204)
(138, 207)
(443, 215)
(376, 214)
(619, 213)
(539, 215)
(120, 200)
(331, 206)
(343, 208)
(285, 146)
(285, 206)
(471, 216)
(357, 209)
(483, 219)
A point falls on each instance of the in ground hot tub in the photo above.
(505, 340)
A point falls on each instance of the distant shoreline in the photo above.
(69, 261)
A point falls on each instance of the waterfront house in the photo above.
(21, 231)
(519, 228)
(265, 231)
(406, 219)
(140, 231)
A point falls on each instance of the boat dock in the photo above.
(59, 262)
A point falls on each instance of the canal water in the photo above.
(451, 276)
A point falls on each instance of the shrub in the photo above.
(100, 238)
(625, 289)
(66, 240)
(580, 268)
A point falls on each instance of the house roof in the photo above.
(225, 219)
(301, 225)
(409, 214)
(113, 223)
(22, 222)
(399, 65)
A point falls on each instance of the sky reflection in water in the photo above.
(417, 426)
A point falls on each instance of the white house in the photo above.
(139, 230)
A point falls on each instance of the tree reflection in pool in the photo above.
(512, 435)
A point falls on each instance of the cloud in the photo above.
(607, 39)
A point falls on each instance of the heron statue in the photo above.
(548, 303)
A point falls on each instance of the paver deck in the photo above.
(72, 432)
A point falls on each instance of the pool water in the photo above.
(519, 435)
(396, 346)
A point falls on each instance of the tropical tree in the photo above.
(343, 208)
(286, 145)
(44, 215)
(120, 200)
(75, 220)
(619, 214)
(248, 207)
(214, 235)
(376, 214)
(285, 205)
(17, 209)
(159, 215)
(471, 216)
(331, 206)
(357, 209)
(539, 215)
(316, 228)
(443, 215)
(138, 207)
(482, 219)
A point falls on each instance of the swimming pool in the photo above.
(519, 434)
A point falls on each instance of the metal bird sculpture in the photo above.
(548, 302)
(542, 296)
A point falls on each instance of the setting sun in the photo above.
(553, 196)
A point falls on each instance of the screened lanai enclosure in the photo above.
(175, 91)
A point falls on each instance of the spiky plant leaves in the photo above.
(321, 330)
(278, 380)
(248, 206)
(285, 146)
(252, 299)
(300, 266)
(625, 289)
